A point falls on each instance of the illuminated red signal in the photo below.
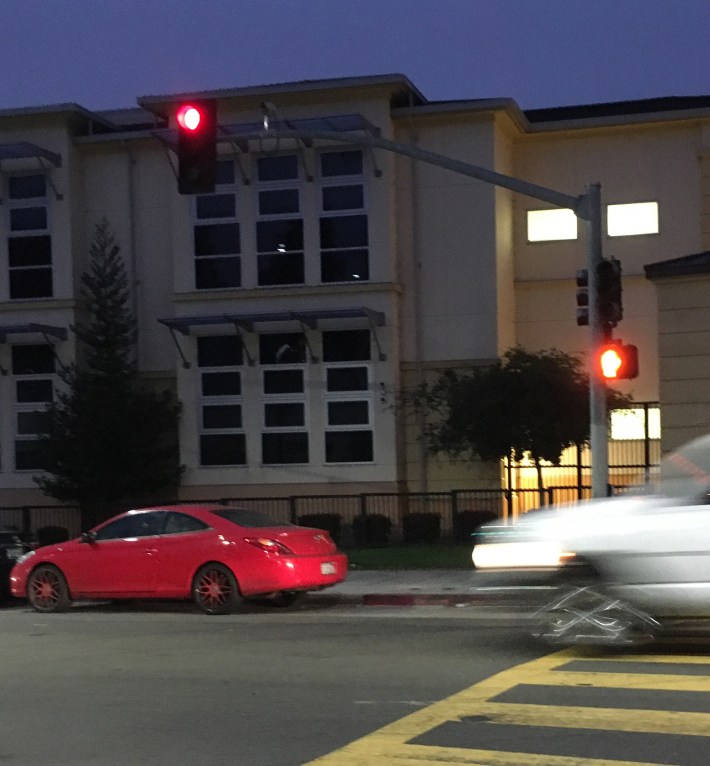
(197, 146)
(617, 361)
(189, 117)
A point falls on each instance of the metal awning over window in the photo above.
(24, 150)
(246, 322)
(33, 328)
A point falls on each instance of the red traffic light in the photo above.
(617, 361)
(189, 117)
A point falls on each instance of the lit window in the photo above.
(630, 423)
(551, 225)
(635, 218)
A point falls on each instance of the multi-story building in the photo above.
(288, 307)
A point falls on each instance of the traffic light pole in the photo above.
(590, 210)
(587, 206)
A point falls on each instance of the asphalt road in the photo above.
(163, 684)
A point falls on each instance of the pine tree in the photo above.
(110, 441)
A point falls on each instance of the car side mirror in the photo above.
(88, 537)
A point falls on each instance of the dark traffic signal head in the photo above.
(582, 297)
(617, 361)
(609, 304)
(197, 146)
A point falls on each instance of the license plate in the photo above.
(13, 553)
(327, 569)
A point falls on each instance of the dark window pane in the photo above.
(348, 413)
(282, 348)
(283, 414)
(278, 201)
(277, 168)
(223, 449)
(283, 381)
(27, 455)
(133, 525)
(29, 251)
(342, 197)
(280, 269)
(27, 218)
(348, 446)
(346, 379)
(176, 523)
(217, 239)
(27, 187)
(222, 416)
(36, 359)
(216, 206)
(246, 517)
(225, 172)
(279, 448)
(279, 236)
(346, 163)
(35, 422)
(219, 351)
(343, 231)
(30, 283)
(212, 273)
(221, 384)
(346, 345)
(34, 390)
(344, 266)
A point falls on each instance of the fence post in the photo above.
(26, 520)
(293, 511)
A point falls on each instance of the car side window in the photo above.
(181, 522)
(133, 525)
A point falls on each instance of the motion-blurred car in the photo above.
(623, 568)
(215, 555)
(12, 546)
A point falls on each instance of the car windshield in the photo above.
(248, 518)
(685, 473)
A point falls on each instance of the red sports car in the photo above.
(211, 553)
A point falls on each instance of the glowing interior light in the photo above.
(551, 225)
(635, 218)
(189, 117)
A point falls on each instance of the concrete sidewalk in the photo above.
(431, 587)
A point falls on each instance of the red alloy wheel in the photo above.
(47, 590)
(215, 589)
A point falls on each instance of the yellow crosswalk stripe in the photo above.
(390, 745)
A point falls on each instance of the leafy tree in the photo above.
(110, 440)
(534, 403)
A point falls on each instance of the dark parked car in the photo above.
(12, 546)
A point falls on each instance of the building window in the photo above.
(33, 370)
(279, 225)
(632, 219)
(629, 424)
(221, 434)
(29, 242)
(344, 252)
(348, 400)
(216, 234)
(284, 437)
(551, 225)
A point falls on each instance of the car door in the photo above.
(121, 559)
(185, 543)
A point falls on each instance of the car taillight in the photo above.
(268, 545)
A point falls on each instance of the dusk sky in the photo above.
(104, 54)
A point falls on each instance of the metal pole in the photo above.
(597, 386)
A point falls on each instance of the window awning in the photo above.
(339, 123)
(33, 328)
(24, 150)
(246, 322)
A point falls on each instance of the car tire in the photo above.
(215, 589)
(47, 590)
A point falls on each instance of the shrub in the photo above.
(330, 522)
(421, 527)
(467, 522)
(50, 535)
(373, 529)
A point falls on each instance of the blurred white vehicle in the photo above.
(623, 567)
